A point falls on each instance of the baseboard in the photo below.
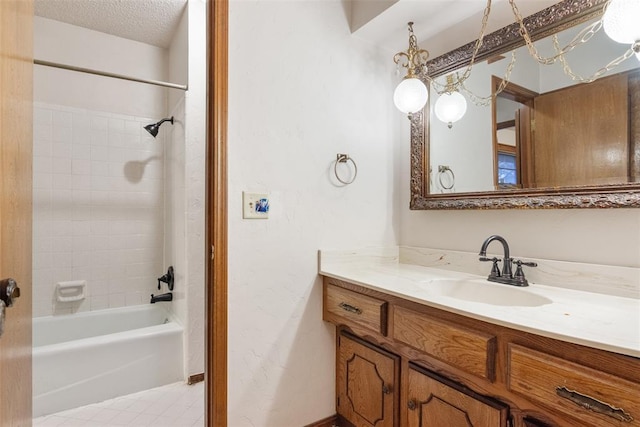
(331, 421)
(196, 378)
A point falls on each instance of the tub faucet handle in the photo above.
(167, 278)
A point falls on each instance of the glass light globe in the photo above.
(450, 107)
(621, 21)
(410, 96)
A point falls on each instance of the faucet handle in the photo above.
(519, 278)
(519, 263)
(495, 271)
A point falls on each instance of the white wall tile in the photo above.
(117, 300)
(60, 165)
(91, 220)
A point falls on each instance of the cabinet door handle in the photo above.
(412, 405)
(386, 389)
(349, 308)
(594, 405)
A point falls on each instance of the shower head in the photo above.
(154, 127)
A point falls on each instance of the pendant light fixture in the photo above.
(411, 94)
(451, 105)
(620, 22)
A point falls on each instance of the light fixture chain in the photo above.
(484, 101)
(611, 65)
(582, 37)
(483, 29)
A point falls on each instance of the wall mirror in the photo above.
(545, 141)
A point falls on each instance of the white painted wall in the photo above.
(302, 89)
(71, 45)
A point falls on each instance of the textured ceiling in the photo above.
(148, 21)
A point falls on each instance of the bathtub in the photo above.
(89, 357)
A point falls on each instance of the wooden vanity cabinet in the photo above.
(367, 383)
(433, 400)
(443, 369)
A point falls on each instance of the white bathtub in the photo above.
(89, 357)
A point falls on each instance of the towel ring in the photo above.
(441, 171)
(343, 158)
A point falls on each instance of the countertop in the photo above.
(606, 322)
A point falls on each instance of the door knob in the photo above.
(9, 291)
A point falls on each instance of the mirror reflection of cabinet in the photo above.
(580, 137)
(567, 137)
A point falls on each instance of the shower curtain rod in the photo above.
(107, 74)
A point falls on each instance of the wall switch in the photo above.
(255, 205)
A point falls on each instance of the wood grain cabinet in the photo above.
(588, 395)
(436, 401)
(367, 381)
(404, 364)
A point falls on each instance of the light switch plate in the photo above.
(255, 205)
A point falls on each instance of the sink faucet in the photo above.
(507, 276)
(506, 264)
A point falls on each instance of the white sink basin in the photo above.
(484, 292)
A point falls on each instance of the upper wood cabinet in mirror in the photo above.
(547, 175)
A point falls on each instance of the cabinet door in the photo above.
(434, 401)
(367, 382)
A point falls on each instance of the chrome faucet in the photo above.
(506, 276)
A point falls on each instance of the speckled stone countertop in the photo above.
(600, 315)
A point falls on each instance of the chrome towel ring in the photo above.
(344, 158)
(442, 170)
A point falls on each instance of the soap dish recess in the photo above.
(70, 291)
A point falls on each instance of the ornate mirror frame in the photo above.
(542, 24)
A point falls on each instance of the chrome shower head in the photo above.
(153, 128)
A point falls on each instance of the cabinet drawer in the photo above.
(590, 396)
(349, 308)
(472, 351)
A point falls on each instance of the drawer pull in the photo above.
(349, 308)
(412, 405)
(594, 405)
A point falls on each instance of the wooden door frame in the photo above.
(514, 93)
(216, 217)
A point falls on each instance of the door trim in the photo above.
(216, 219)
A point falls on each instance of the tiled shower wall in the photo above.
(97, 208)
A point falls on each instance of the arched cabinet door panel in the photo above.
(435, 401)
(367, 383)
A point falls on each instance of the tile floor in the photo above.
(174, 405)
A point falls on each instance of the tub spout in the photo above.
(162, 297)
